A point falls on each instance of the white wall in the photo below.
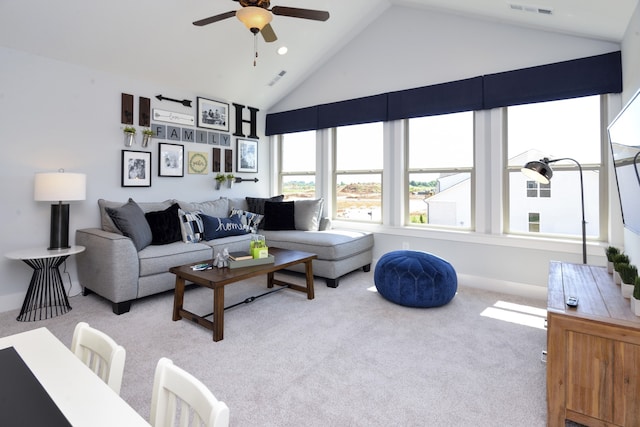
(408, 48)
(57, 115)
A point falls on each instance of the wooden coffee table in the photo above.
(218, 278)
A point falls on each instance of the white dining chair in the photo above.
(100, 353)
(181, 400)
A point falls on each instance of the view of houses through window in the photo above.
(558, 129)
(440, 168)
(440, 161)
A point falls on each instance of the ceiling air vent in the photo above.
(531, 9)
(277, 77)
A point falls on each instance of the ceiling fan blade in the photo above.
(216, 18)
(294, 12)
(268, 34)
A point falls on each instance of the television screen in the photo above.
(624, 136)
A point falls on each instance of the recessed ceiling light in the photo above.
(283, 50)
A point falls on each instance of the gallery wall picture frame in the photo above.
(136, 168)
(170, 160)
(247, 155)
(198, 162)
(216, 160)
(228, 161)
(213, 114)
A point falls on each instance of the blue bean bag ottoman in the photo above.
(415, 279)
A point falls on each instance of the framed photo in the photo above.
(198, 162)
(136, 168)
(170, 159)
(247, 155)
(213, 114)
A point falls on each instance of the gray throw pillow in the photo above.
(130, 219)
(307, 214)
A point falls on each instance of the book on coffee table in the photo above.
(251, 262)
(239, 256)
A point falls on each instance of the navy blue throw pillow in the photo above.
(165, 225)
(215, 228)
(279, 216)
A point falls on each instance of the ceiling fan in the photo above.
(256, 16)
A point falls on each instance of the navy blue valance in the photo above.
(299, 120)
(593, 75)
(445, 98)
(353, 112)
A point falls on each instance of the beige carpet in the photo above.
(346, 358)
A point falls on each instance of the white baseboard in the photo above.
(11, 301)
(14, 301)
(505, 287)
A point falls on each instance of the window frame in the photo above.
(471, 170)
(601, 169)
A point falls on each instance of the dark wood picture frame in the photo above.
(216, 163)
(136, 168)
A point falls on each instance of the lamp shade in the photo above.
(538, 170)
(254, 17)
(60, 186)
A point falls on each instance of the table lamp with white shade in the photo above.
(60, 187)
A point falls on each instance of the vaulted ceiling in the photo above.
(154, 40)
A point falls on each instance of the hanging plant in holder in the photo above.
(147, 134)
(220, 178)
(129, 136)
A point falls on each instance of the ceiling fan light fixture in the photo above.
(254, 17)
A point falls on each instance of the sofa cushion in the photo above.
(216, 227)
(130, 220)
(238, 203)
(250, 221)
(215, 208)
(107, 223)
(307, 214)
(328, 245)
(165, 225)
(256, 204)
(279, 216)
(157, 259)
(190, 226)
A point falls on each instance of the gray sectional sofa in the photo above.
(119, 267)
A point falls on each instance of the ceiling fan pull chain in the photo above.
(255, 49)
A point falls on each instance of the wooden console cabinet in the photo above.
(593, 350)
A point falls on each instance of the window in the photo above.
(440, 162)
(358, 175)
(534, 222)
(557, 129)
(535, 189)
(298, 165)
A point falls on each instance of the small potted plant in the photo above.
(230, 179)
(618, 260)
(129, 136)
(147, 134)
(628, 274)
(610, 252)
(635, 298)
(220, 178)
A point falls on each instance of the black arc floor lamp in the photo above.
(59, 187)
(540, 171)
